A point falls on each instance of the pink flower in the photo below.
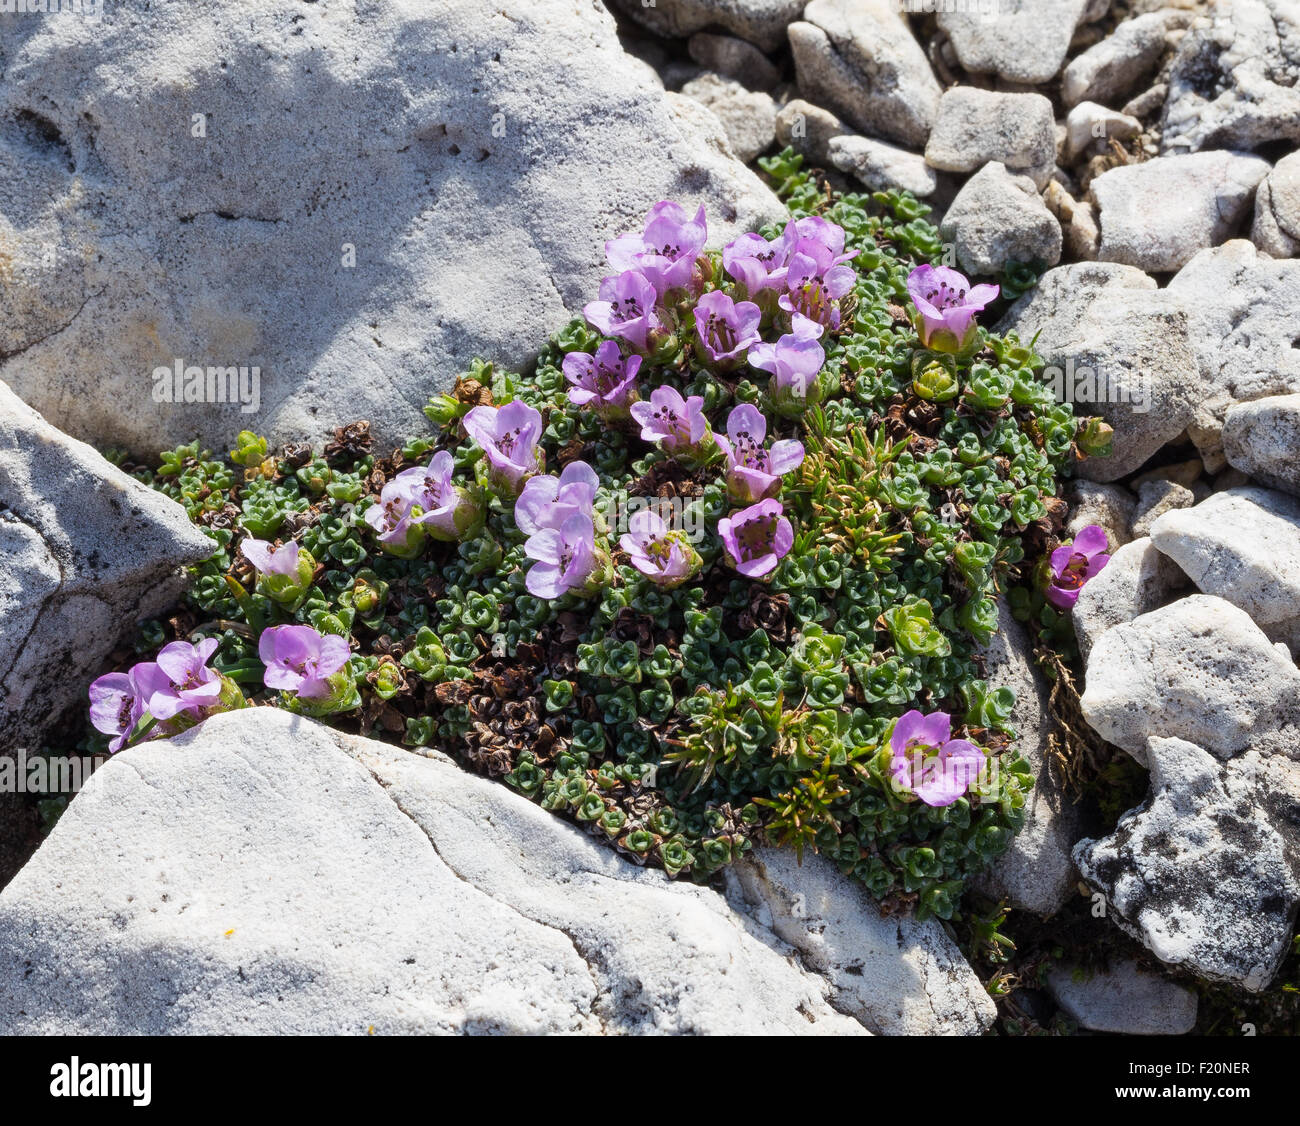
(300, 660)
(726, 329)
(1074, 564)
(946, 303)
(753, 471)
(756, 538)
(666, 251)
(927, 763)
(605, 382)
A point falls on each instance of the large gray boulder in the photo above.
(1198, 669)
(264, 874)
(1242, 308)
(1124, 999)
(1157, 214)
(976, 126)
(860, 59)
(354, 205)
(1244, 546)
(1233, 80)
(899, 977)
(86, 553)
(1023, 41)
(1116, 347)
(1276, 230)
(1204, 871)
(1110, 70)
(1261, 438)
(998, 218)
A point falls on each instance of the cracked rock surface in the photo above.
(233, 247)
(264, 874)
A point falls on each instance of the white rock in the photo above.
(809, 129)
(1156, 497)
(747, 116)
(895, 975)
(263, 874)
(999, 218)
(860, 59)
(1036, 873)
(1111, 70)
(1157, 214)
(1200, 873)
(1023, 41)
(1261, 438)
(1116, 348)
(1124, 999)
(1244, 546)
(1198, 669)
(1110, 507)
(1136, 580)
(1276, 230)
(976, 126)
(1091, 127)
(1243, 308)
(474, 161)
(88, 552)
(878, 165)
(1233, 81)
(761, 22)
(734, 58)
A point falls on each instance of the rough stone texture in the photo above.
(1244, 546)
(1118, 348)
(747, 116)
(734, 58)
(1156, 497)
(1198, 669)
(1111, 70)
(87, 553)
(1156, 215)
(761, 22)
(879, 165)
(895, 975)
(1233, 81)
(1276, 230)
(1111, 507)
(860, 59)
(976, 126)
(1024, 41)
(264, 874)
(999, 218)
(1137, 580)
(1036, 873)
(1261, 438)
(1243, 308)
(1202, 871)
(809, 129)
(1091, 127)
(230, 248)
(1124, 999)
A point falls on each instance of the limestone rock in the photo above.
(1136, 580)
(1023, 41)
(975, 126)
(1276, 230)
(999, 218)
(1123, 999)
(747, 116)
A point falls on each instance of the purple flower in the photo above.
(179, 680)
(547, 502)
(282, 560)
(753, 472)
(116, 706)
(677, 424)
(566, 559)
(299, 660)
(664, 556)
(822, 231)
(816, 279)
(725, 328)
(1074, 564)
(626, 309)
(946, 304)
(509, 436)
(445, 510)
(666, 251)
(927, 763)
(794, 362)
(758, 264)
(391, 520)
(606, 381)
(756, 538)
